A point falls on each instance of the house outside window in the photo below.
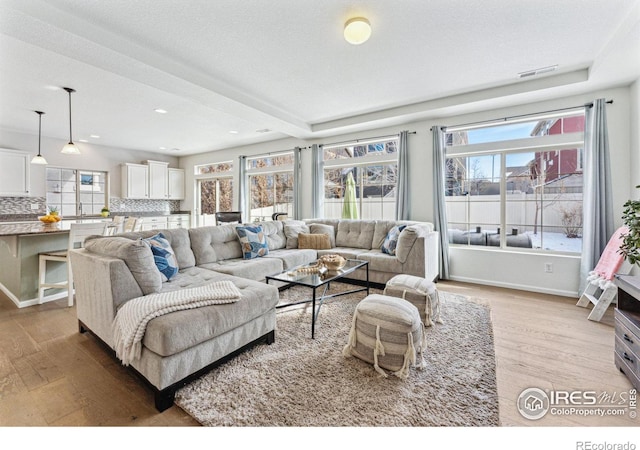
(76, 192)
(214, 188)
(270, 185)
(517, 185)
(374, 166)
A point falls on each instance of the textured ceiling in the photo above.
(282, 65)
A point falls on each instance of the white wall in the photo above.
(92, 157)
(514, 269)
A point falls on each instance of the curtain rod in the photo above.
(366, 139)
(504, 119)
(276, 152)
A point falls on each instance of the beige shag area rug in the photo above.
(300, 382)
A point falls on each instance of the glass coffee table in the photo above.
(315, 280)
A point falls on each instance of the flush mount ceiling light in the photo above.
(70, 148)
(39, 159)
(357, 30)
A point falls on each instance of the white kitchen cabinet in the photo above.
(154, 223)
(158, 179)
(135, 180)
(14, 177)
(176, 184)
(178, 221)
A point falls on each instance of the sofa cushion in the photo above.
(163, 256)
(391, 241)
(321, 228)
(172, 333)
(252, 241)
(313, 241)
(214, 243)
(293, 257)
(137, 256)
(179, 240)
(345, 252)
(274, 234)
(291, 232)
(355, 233)
(407, 240)
(253, 269)
(381, 262)
(383, 227)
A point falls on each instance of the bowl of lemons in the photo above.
(52, 216)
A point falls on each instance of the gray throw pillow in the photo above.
(320, 228)
(137, 256)
(292, 231)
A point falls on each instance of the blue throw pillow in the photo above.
(253, 241)
(163, 256)
(391, 241)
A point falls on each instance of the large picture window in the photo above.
(214, 191)
(517, 185)
(271, 187)
(373, 166)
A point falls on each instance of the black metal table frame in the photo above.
(323, 297)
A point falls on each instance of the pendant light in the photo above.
(70, 148)
(39, 159)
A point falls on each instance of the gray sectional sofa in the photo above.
(180, 346)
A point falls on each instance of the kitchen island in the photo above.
(21, 242)
(20, 245)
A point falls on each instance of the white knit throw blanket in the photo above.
(131, 320)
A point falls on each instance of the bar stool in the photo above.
(132, 224)
(77, 234)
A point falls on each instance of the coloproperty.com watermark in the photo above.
(535, 403)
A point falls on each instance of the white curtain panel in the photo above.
(597, 226)
(402, 186)
(242, 187)
(440, 212)
(317, 181)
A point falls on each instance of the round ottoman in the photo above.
(420, 292)
(388, 333)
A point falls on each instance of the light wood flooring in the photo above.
(50, 375)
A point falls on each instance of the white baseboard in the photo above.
(519, 287)
(32, 301)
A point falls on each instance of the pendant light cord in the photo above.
(70, 135)
(70, 90)
(39, 131)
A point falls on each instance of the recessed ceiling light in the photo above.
(82, 140)
(95, 136)
(175, 149)
(160, 111)
(233, 132)
(163, 148)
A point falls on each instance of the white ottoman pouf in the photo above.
(420, 292)
(386, 332)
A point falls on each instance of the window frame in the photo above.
(360, 162)
(78, 191)
(269, 170)
(502, 148)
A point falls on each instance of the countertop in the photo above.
(25, 226)
(34, 217)
(14, 229)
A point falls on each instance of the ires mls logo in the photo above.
(534, 403)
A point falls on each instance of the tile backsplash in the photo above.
(22, 205)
